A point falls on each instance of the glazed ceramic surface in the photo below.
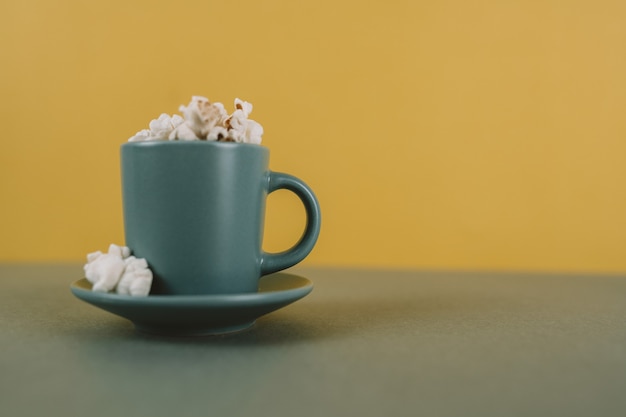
(195, 211)
(197, 315)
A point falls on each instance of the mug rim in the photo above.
(156, 143)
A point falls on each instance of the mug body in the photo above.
(195, 211)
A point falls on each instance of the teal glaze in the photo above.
(195, 211)
(199, 315)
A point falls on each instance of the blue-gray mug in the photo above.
(195, 211)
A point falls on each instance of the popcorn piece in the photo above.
(118, 270)
(140, 136)
(203, 116)
(137, 278)
(105, 270)
(217, 133)
(92, 257)
(240, 128)
(183, 132)
(204, 120)
(244, 106)
(160, 129)
(254, 132)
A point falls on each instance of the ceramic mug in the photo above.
(195, 211)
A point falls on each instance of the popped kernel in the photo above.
(160, 128)
(203, 120)
(118, 270)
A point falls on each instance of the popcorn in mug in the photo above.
(203, 120)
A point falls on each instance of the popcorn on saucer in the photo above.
(117, 270)
(136, 279)
(203, 120)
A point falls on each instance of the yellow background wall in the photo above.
(437, 134)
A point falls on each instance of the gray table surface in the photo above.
(363, 343)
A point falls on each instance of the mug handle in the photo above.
(274, 262)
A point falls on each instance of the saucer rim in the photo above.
(196, 315)
(306, 286)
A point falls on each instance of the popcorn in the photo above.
(202, 115)
(104, 270)
(160, 129)
(203, 120)
(254, 132)
(137, 277)
(118, 270)
(183, 132)
(240, 128)
(217, 133)
(140, 136)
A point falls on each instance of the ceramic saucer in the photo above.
(197, 315)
